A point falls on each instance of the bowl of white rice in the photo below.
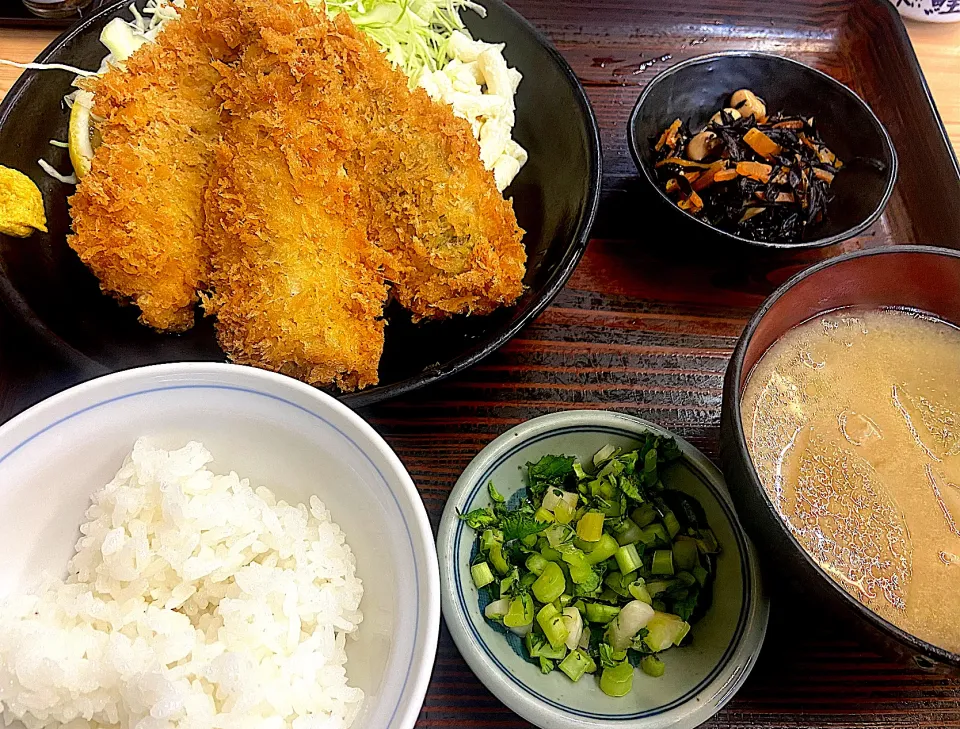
(209, 546)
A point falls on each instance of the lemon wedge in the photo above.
(80, 134)
(21, 205)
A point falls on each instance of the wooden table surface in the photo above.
(635, 331)
(937, 46)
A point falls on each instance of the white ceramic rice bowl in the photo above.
(278, 433)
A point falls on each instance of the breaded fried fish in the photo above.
(451, 241)
(297, 285)
(137, 214)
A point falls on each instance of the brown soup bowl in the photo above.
(920, 278)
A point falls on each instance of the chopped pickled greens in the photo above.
(599, 567)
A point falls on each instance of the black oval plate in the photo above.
(555, 197)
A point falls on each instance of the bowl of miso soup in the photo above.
(840, 439)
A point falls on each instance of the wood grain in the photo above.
(937, 47)
(21, 45)
(643, 328)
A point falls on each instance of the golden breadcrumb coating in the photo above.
(296, 284)
(453, 243)
(137, 214)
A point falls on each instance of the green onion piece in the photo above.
(575, 664)
(617, 680)
(657, 586)
(662, 562)
(559, 534)
(621, 631)
(528, 579)
(529, 540)
(701, 575)
(550, 554)
(686, 579)
(497, 558)
(628, 532)
(520, 612)
(603, 550)
(685, 554)
(578, 471)
(611, 468)
(546, 665)
(582, 573)
(481, 574)
(599, 613)
(507, 582)
(644, 515)
(551, 622)
(608, 595)
(611, 509)
(591, 664)
(550, 584)
(650, 665)
(585, 547)
(551, 497)
(573, 621)
(544, 515)
(708, 542)
(554, 654)
(536, 563)
(488, 537)
(573, 556)
(563, 513)
(604, 454)
(588, 586)
(671, 523)
(614, 580)
(628, 559)
(590, 526)
(638, 591)
(496, 609)
(648, 537)
(650, 461)
(655, 534)
(607, 489)
(665, 630)
(533, 644)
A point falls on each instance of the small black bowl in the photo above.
(921, 278)
(699, 87)
(45, 286)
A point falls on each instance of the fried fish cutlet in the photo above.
(451, 241)
(296, 284)
(137, 214)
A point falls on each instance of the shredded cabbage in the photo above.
(47, 67)
(415, 34)
(49, 169)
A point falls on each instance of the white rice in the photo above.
(193, 602)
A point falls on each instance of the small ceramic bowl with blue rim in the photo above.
(700, 677)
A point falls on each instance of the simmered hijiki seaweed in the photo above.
(598, 567)
(759, 177)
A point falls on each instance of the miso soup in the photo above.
(852, 420)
